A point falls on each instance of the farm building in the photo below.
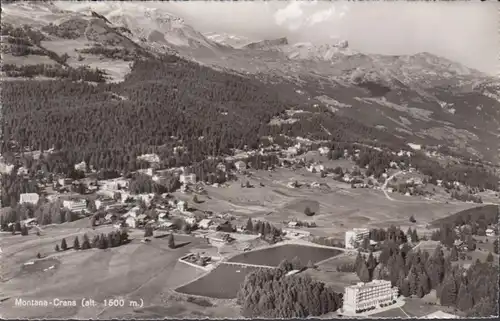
(190, 220)
(490, 232)
(30, 222)
(29, 198)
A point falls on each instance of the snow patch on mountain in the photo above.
(230, 40)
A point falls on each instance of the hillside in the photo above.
(488, 213)
(324, 92)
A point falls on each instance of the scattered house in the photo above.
(296, 234)
(190, 220)
(188, 178)
(292, 224)
(76, 206)
(148, 171)
(166, 225)
(205, 224)
(109, 217)
(221, 167)
(347, 178)
(104, 203)
(162, 217)
(81, 166)
(130, 221)
(393, 165)
(390, 190)
(373, 294)
(240, 165)
(323, 150)
(64, 181)
(316, 168)
(182, 206)
(490, 232)
(30, 222)
(30, 198)
(146, 198)
(225, 227)
(150, 158)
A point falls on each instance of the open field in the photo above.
(337, 208)
(274, 255)
(326, 272)
(222, 283)
(135, 271)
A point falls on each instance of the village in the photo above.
(230, 230)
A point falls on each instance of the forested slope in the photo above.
(161, 104)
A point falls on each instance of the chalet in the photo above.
(190, 220)
(30, 222)
(205, 224)
(109, 217)
(81, 166)
(225, 227)
(293, 224)
(316, 168)
(103, 203)
(187, 178)
(221, 167)
(75, 205)
(162, 217)
(130, 221)
(240, 165)
(29, 198)
(182, 206)
(323, 150)
(490, 232)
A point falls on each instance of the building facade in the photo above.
(373, 294)
(355, 236)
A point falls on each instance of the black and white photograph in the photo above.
(249, 159)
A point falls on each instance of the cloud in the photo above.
(299, 14)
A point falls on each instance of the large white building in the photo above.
(354, 236)
(368, 295)
(31, 198)
(76, 206)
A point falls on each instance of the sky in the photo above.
(465, 32)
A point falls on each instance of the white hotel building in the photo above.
(368, 295)
(76, 206)
(355, 235)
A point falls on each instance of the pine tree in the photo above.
(249, 226)
(57, 248)
(371, 263)
(464, 301)
(64, 246)
(359, 261)
(148, 231)
(364, 274)
(86, 242)
(171, 241)
(405, 288)
(24, 230)
(449, 291)
(454, 254)
(489, 258)
(38, 255)
(308, 211)
(495, 246)
(76, 243)
(296, 263)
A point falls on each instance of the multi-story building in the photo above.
(354, 236)
(373, 294)
(76, 206)
(31, 198)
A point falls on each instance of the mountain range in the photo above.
(422, 99)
